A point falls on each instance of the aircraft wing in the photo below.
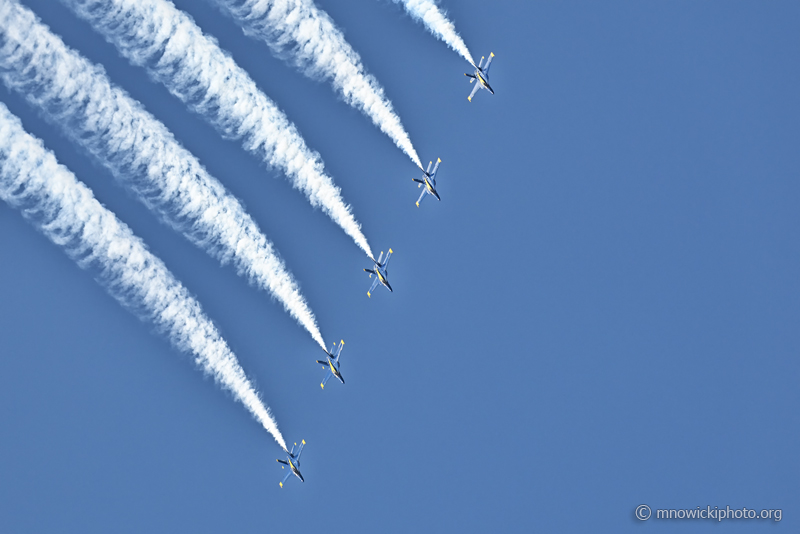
(339, 351)
(328, 375)
(474, 90)
(386, 261)
(371, 289)
(421, 196)
(300, 451)
(488, 64)
(288, 474)
(435, 168)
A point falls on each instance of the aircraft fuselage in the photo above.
(482, 80)
(381, 277)
(334, 369)
(430, 188)
(294, 469)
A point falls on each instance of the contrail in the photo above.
(63, 209)
(141, 153)
(429, 14)
(305, 36)
(154, 34)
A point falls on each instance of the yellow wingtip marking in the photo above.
(417, 204)
(304, 442)
(469, 98)
(321, 385)
(370, 296)
(492, 54)
(343, 342)
(391, 251)
(281, 483)
(440, 159)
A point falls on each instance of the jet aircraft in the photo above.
(293, 462)
(429, 181)
(380, 272)
(332, 365)
(482, 75)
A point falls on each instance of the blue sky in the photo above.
(601, 312)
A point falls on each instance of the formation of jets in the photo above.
(331, 363)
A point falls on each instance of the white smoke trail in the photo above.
(65, 211)
(141, 153)
(305, 36)
(429, 14)
(156, 35)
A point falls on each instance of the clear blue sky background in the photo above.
(601, 312)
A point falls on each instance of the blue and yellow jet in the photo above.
(293, 463)
(380, 272)
(429, 181)
(482, 75)
(332, 364)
